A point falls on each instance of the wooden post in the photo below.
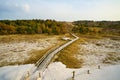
(27, 76)
(73, 75)
(88, 71)
(98, 66)
(39, 77)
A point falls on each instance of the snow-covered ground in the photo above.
(105, 73)
(58, 71)
(103, 52)
(99, 51)
(14, 52)
(14, 72)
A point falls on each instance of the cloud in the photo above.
(61, 9)
(13, 7)
(26, 7)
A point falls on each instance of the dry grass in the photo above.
(28, 38)
(35, 55)
(32, 55)
(112, 57)
(90, 36)
(67, 56)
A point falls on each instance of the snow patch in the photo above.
(95, 52)
(58, 71)
(14, 72)
(13, 51)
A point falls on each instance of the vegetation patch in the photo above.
(32, 27)
(67, 56)
(25, 49)
(112, 57)
(35, 55)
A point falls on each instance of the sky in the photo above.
(61, 10)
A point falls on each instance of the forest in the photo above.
(99, 27)
(32, 27)
(37, 26)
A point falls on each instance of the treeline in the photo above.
(106, 27)
(32, 27)
(37, 26)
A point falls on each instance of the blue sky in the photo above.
(63, 10)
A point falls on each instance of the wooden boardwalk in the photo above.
(43, 62)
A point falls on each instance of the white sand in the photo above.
(14, 72)
(93, 56)
(58, 71)
(94, 52)
(19, 51)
